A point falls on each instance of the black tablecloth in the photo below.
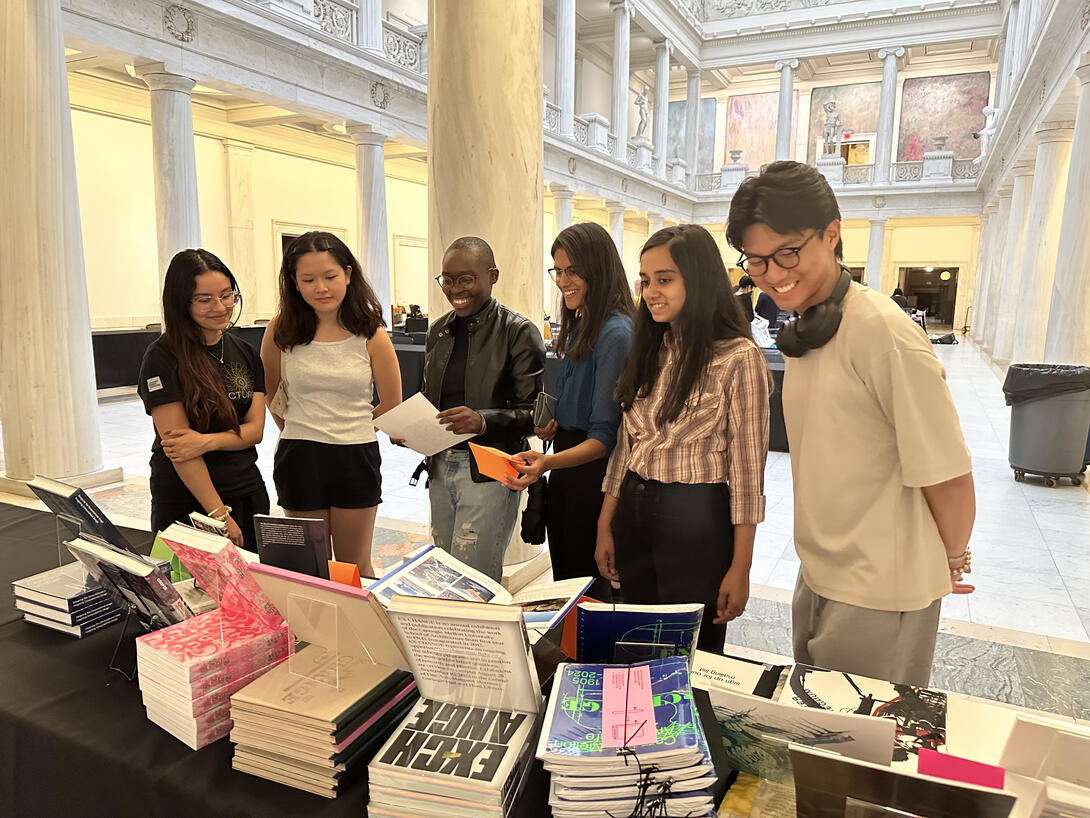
(74, 738)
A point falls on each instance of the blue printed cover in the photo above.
(573, 724)
(600, 627)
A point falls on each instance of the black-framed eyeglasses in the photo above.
(446, 282)
(570, 272)
(785, 258)
(206, 302)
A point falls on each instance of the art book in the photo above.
(65, 588)
(80, 514)
(623, 634)
(432, 572)
(920, 713)
(294, 543)
(735, 673)
(598, 715)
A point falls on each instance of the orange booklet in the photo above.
(494, 463)
(346, 573)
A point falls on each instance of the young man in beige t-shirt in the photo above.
(884, 500)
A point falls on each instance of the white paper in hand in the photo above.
(414, 422)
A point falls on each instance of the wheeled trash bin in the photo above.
(1050, 420)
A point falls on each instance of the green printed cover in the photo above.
(573, 726)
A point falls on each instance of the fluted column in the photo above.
(1001, 71)
(369, 24)
(662, 105)
(1014, 250)
(783, 118)
(487, 182)
(622, 36)
(48, 405)
(371, 234)
(562, 199)
(985, 257)
(1067, 340)
(883, 149)
(995, 277)
(1042, 241)
(564, 83)
(616, 224)
(654, 223)
(174, 160)
(1014, 41)
(692, 122)
(875, 249)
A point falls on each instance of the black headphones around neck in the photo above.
(817, 326)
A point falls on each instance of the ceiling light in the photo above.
(928, 269)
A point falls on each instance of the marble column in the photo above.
(562, 199)
(1014, 41)
(622, 37)
(662, 105)
(692, 122)
(786, 109)
(875, 249)
(985, 256)
(369, 24)
(1067, 340)
(1001, 72)
(372, 242)
(1014, 249)
(616, 224)
(239, 160)
(1042, 241)
(654, 223)
(487, 182)
(995, 276)
(564, 77)
(883, 149)
(177, 215)
(48, 406)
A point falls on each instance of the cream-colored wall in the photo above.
(411, 11)
(855, 233)
(212, 195)
(946, 242)
(596, 91)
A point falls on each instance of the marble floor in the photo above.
(1031, 544)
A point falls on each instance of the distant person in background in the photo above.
(684, 489)
(744, 291)
(594, 339)
(767, 309)
(483, 367)
(204, 390)
(899, 298)
(321, 352)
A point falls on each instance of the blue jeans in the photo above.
(472, 521)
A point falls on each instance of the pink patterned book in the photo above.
(205, 693)
(187, 731)
(212, 644)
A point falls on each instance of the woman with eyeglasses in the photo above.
(324, 353)
(594, 339)
(204, 389)
(684, 490)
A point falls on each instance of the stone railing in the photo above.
(552, 117)
(966, 169)
(907, 171)
(579, 130)
(858, 174)
(706, 182)
(630, 155)
(337, 18)
(611, 143)
(400, 46)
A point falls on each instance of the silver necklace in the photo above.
(213, 354)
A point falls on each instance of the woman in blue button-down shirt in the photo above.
(594, 339)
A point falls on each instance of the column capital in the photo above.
(1024, 167)
(157, 78)
(623, 6)
(664, 44)
(561, 191)
(692, 72)
(1056, 131)
(878, 220)
(363, 134)
(1083, 71)
(237, 145)
(891, 51)
(791, 63)
(614, 207)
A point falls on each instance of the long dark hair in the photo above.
(296, 322)
(207, 407)
(592, 252)
(711, 313)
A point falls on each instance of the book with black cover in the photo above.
(297, 544)
(72, 502)
(65, 588)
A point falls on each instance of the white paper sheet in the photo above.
(414, 421)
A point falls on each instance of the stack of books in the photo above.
(626, 739)
(467, 746)
(188, 671)
(314, 721)
(66, 599)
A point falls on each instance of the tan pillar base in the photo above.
(92, 480)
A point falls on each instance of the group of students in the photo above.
(660, 431)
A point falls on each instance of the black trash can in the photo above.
(1050, 420)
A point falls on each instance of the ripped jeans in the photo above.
(472, 521)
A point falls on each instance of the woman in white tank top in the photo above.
(323, 353)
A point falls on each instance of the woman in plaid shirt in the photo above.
(684, 490)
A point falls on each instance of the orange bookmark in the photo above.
(494, 463)
(346, 573)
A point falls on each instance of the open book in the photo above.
(435, 573)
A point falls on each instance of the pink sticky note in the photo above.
(628, 711)
(954, 768)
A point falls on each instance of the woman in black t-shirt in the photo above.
(205, 392)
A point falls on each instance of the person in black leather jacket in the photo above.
(483, 366)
